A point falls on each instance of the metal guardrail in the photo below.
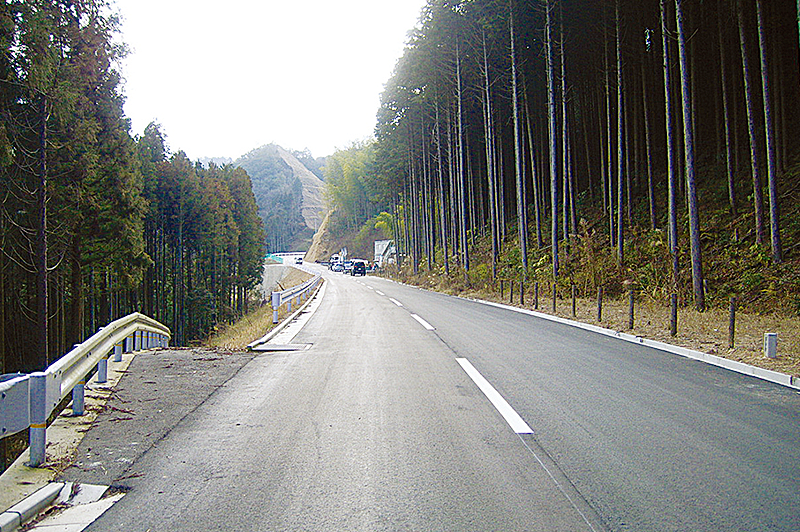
(26, 401)
(296, 293)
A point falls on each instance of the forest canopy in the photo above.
(656, 132)
(96, 223)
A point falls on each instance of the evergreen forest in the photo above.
(279, 196)
(96, 223)
(609, 143)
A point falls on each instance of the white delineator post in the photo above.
(771, 345)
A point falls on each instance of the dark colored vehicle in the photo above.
(359, 268)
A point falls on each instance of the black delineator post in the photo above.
(501, 289)
(732, 322)
(536, 295)
(599, 303)
(522, 292)
(511, 292)
(574, 307)
(673, 315)
(555, 294)
(630, 308)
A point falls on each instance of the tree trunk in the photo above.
(42, 357)
(566, 187)
(772, 178)
(651, 195)
(461, 164)
(490, 165)
(455, 229)
(534, 176)
(3, 364)
(522, 218)
(727, 119)
(76, 329)
(620, 144)
(442, 209)
(671, 163)
(755, 160)
(551, 130)
(609, 145)
(688, 140)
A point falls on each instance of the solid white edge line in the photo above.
(516, 423)
(423, 323)
(396, 302)
(732, 365)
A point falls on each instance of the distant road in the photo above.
(410, 410)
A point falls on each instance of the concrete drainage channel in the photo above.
(73, 507)
(269, 348)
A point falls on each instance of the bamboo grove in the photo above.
(95, 224)
(540, 122)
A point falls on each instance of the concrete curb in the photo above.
(731, 365)
(29, 507)
(271, 334)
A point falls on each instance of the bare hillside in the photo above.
(313, 207)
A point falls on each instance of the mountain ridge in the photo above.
(289, 196)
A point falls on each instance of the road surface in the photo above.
(409, 410)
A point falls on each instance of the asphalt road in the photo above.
(378, 426)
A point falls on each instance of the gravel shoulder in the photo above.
(159, 389)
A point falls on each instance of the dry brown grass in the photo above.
(256, 323)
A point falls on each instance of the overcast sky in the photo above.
(225, 77)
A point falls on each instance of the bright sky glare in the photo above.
(223, 78)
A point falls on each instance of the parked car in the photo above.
(298, 260)
(359, 267)
(337, 267)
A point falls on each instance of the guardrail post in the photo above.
(128, 344)
(78, 406)
(102, 370)
(276, 302)
(37, 404)
(137, 340)
(118, 352)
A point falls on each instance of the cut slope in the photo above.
(313, 206)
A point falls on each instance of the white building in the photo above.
(385, 252)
